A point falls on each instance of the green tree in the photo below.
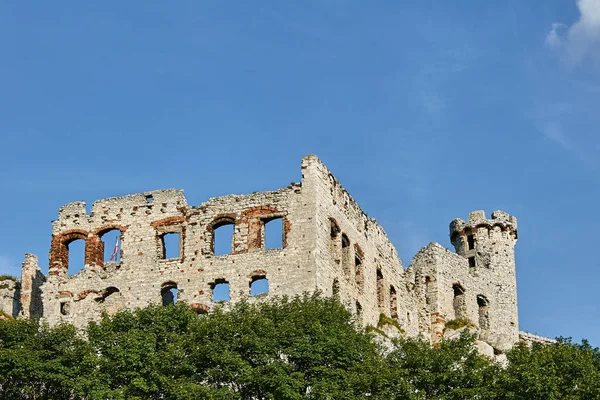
(564, 370)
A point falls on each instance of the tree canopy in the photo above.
(292, 348)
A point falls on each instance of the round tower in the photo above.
(488, 246)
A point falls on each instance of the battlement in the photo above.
(478, 219)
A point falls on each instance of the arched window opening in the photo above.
(359, 312)
(109, 291)
(111, 241)
(380, 291)
(459, 302)
(223, 237)
(334, 229)
(393, 303)
(169, 293)
(259, 285)
(220, 290)
(335, 288)
(470, 239)
(76, 258)
(346, 254)
(274, 233)
(484, 316)
(359, 272)
(170, 243)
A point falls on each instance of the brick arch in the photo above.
(96, 245)
(254, 217)
(217, 222)
(59, 250)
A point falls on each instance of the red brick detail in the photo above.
(358, 251)
(102, 230)
(84, 293)
(252, 217)
(258, 272)
(168, 221)
(59, 250)
(65, 292)
(199, 308)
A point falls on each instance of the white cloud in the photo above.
(582, 39)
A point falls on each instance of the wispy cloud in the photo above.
(580, 40)
(553, 131)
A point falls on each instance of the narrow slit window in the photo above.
(459, 303)
(259, 285)
(359, 272)
(346, 254)
(223, 238)
(470, 239)
(471, 262)
(221, 291)
(335, 287)
(380, 290)
(274, 233)
(484, 317)
(393, 303)
(76, 260)
(170, 245)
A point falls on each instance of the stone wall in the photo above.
(328, 244)
(9, 297)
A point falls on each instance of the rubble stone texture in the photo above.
(328, 244)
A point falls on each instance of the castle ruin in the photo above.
(327, 244)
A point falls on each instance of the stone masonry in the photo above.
(328, 244)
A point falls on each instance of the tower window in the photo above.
(470, 239)
(484, 317)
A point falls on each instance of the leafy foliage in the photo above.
(300, 348)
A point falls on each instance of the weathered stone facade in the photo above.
(328, 244)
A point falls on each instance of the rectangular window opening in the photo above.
(170, 245)
(274, 233)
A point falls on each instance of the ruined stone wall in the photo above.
(354, 257)
(328, 244)
(9, 297)
(143, 273)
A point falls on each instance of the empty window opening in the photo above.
(335, 229)
(170, 245)
(470, 239)
(380, 290)
(427, 281)
(484, 316)
(223, 238)
(107, 293)
(459, 302)
(76, 260)
(471, 262)
(393, 303)
(359, 312)
(274, 233)
(359, 272)
(220, 290)
(346, 254)
(169, 293)
(335, 287)
(259, 285)
(149, 198)
(65, 308)
(111, 241)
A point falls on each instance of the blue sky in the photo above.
(424, 111)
